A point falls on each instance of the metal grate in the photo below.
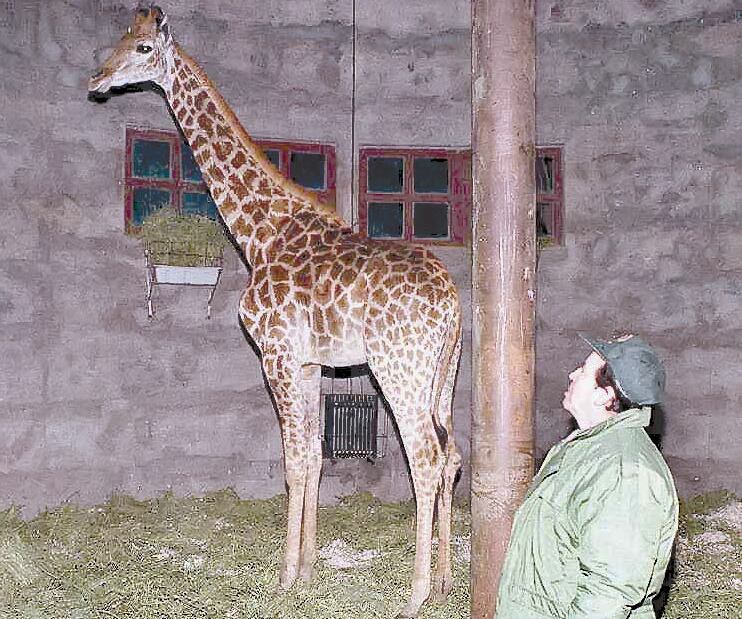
(351, 423)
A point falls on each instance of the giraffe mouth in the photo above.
(100, 83)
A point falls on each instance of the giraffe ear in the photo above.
(161, 20)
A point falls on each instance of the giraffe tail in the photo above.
(453, 335)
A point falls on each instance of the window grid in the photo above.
(177, 185)
(553, 198)
(458, 196)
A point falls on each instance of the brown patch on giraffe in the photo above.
(238, 160)
(198, 143)
(199, 100)
(242, 227)
(188, 122)
(176, 102)
(215, 173)
(211, 108)
(176, 90)
(216, 192)
(281, 206)
(281, 291)
(303, 277)
(263, 233)
(238, 187)
(189, 100)
(348, 277)
(264, 294)
(318, 320)
(279, 273)
(223, 131)
(249, 176)
(379, 296)
(264, 187)
(181, 114)
(205, 123)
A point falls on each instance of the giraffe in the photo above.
(318, 294)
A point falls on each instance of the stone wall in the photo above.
(646, 98)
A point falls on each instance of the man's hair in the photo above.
(604, 378)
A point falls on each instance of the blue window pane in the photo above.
(431, 175)
(308, 169)
(151, 159)
(191, 172)
(385, 174)
(146, 202)
(274, 156)
(430, 220)
(199, 204)
(385, 220)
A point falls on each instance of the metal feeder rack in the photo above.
(163, 260)
(353, 426)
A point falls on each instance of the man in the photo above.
(594, 534)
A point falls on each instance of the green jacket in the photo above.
(594, 534)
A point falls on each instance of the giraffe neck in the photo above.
(251, 195)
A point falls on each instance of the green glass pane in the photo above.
(146, 202)
(308, 169)
(545, 174)
(274, 156)
(385, 220)
(196, 203)
(385, 174)
(430, 220)
(430, 175)
(191, 171)
(151, 159)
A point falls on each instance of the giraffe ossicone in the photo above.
(318, 295)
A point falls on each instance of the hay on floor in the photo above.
(218, 557)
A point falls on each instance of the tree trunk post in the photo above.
(503, 282)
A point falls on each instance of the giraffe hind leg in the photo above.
(443, 580)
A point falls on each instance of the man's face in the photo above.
(580, 395)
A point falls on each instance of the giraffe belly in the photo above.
(339, 351)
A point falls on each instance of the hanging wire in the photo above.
(353, 163)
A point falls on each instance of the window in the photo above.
(424, 195)
(549, 195)
(421, 195)
(160, 171)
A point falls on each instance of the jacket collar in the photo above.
(632, 418)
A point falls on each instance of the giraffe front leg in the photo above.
(283, 375)
(311, 386)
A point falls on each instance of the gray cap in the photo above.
(636, 368)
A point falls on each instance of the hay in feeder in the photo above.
(180, 240)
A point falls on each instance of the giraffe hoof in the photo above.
(306, 573)
(410, 609)
(442, 587)
(286, 580)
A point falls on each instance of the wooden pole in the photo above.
(503, 282)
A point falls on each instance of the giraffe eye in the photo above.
(144, 49)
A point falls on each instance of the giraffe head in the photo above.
(140, 56)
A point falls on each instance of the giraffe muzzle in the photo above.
(98, 81)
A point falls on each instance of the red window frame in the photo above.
(326, 195)
(555, 198)
(177, 185)
(458, 197)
